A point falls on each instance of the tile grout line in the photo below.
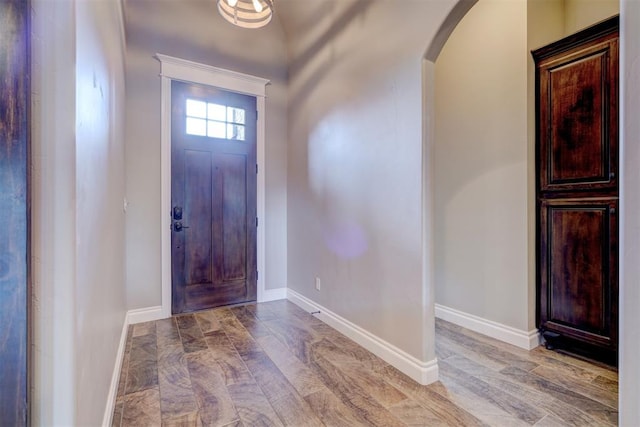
(249, 370)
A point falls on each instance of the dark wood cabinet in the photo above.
(577, 191)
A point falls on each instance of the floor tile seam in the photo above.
(354, 408)
(175, 323)
(479, 354)
(358, 378)
(198, 321)
(360, 392)
(614, 394)
(146, 361)
(276, 336)
(501, 403)
(566, 403)
(301, 398)
(499, 376)
(422, 405)
(546, 404)
(605, 379)
(548, 401)
(501, 356)
(606, 372)
(255, 380)
(453, 400)
(362, 365)
(141, 391)
(567, 371)
(124, 373)
(201, 409)
(575, 408)
(557, 384)
(125, 368)
(503, 348)
(304, 366)
(581, 393)
(198, 406)
(199, 329)
(415, 396)
(186, 367)
(284, 343)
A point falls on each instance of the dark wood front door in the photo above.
(14, 202)
(213, 197)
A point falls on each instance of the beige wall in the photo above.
(78, 222)
(355, 165)
(100, 188)
(629, 219)
(580, 14)
(193, 30)
(481, 152)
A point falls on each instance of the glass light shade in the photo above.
(247, 13)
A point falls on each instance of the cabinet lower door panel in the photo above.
(578, 268)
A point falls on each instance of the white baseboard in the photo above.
(146, 314)
(527, 340)
(421, 372)
(132, 317)
(115, 377)
(272, 294)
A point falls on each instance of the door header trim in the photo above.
(194, 72)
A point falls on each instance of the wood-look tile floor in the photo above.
(272, 364)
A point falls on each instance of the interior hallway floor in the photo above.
(273, 364)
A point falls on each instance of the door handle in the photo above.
(177, 226)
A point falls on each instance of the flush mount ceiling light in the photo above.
(246, 13)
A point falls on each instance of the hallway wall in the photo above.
(77, 217)
(355, 164)
(579, 14)
(481, 247)
(629, 219)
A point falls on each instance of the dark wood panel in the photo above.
(578, 117)
(578, 259)
(234, 216)
(197, 214)
(14, 199)
(578, 132)
(578, 150)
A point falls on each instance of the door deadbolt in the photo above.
(177, 213)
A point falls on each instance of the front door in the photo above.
(213, 197)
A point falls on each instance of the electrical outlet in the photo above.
(318, 284)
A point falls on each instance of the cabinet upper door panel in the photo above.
(578, 137)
